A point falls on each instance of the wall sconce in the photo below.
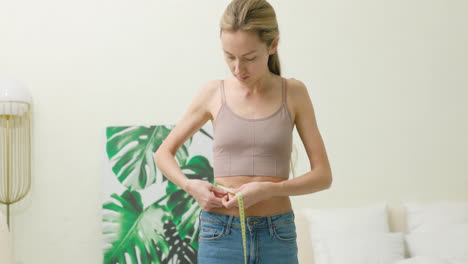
(15, 142)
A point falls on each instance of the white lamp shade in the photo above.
(14, 97)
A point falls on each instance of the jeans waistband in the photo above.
(251, 222)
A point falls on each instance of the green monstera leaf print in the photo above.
(133, 233)
(131, 149)
(166, 231)
(184, 208)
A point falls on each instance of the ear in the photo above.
(274, 46)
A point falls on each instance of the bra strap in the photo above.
(283, 90)
(223, 96)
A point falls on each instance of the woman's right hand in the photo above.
(206, 194)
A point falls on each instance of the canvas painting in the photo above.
(145, 217)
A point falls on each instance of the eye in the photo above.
(252, 59)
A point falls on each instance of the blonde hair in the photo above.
(255, 16)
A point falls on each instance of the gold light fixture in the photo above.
(15, 142)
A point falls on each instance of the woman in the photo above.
(253, 113)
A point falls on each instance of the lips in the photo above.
(242, 78)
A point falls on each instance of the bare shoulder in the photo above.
(205, 97)
(211, 86)
(297, 96)
(296, 88)
(208, 90)
(197, 113)
(212, 96)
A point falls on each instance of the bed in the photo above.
(409, 232)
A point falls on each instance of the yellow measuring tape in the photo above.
(240, 202)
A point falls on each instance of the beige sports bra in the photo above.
(255, 147)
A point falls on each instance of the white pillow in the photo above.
(435, 215)
(324, 222)
(6, 248)
(364, 248)
(371, 218)
(450, 243)
(423, 260)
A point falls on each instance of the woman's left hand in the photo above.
(252, 192)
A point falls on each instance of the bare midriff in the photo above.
(271, 206)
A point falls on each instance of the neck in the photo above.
(258, 86)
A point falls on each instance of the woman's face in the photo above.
(245, 54)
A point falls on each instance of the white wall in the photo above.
(388, 80)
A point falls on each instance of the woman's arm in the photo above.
(315, 180)
(320, 175)
(194, 118)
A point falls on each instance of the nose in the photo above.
(239, 67)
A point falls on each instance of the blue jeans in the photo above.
(270, 239)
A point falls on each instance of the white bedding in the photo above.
(435, 233)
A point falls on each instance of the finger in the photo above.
(225, 200)
(231, 203)
(220, 195)
(217, 202)
(234, 190)
(218, 189)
